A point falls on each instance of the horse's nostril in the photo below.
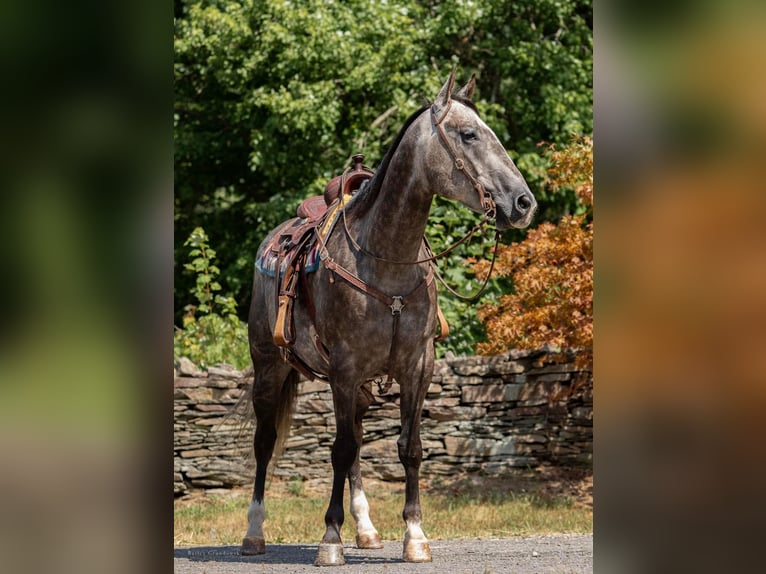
(523, 203)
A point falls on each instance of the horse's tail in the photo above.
(245, 412)
(285, 410)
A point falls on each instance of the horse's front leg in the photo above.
(345, 450)
(414, 386)
(366, 534)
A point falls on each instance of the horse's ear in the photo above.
(445, 95)
(467, 90)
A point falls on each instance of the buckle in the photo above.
(490, 209)
(397, 305)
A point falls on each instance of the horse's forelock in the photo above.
(466, 102)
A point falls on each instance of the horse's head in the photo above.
(468, 163)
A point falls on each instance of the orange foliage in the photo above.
(552, 272)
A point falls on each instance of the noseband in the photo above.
(487, 203)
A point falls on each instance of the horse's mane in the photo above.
(367, 195)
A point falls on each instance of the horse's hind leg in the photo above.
(366, 535)
(273, 393)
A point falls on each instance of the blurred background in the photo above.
(86, 304)
(680, 277)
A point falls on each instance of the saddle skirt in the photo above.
(291, 238)
(267, 263)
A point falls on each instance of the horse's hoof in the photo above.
(330, 555)
(417, 551)
(369, 541)
(252, 546)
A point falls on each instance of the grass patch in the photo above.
(470, 508)
(222, 519)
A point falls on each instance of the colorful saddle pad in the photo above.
(267, 263)
(290, 231)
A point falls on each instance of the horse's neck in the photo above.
(394, 226)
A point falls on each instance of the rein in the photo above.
(484, 283)
(434, 258)
(430, 259)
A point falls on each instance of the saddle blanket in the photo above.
(267, 263)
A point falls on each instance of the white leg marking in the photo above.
(414, 531)
(416, 547)
(256, 514)
(360, 510)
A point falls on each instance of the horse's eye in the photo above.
(468, 136)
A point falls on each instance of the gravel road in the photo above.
(559, 553)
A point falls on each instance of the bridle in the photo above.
(487, 203)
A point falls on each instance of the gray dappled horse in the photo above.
(352, 334)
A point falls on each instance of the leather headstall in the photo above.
(487, 203)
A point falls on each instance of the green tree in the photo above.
(272, 98)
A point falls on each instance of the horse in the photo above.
(370, 308)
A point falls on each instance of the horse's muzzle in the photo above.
(520, 213)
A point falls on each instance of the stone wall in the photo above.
(481, 414)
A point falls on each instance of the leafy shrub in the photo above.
(552, 271)
(212, 333)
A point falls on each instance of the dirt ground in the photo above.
(559, 554)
